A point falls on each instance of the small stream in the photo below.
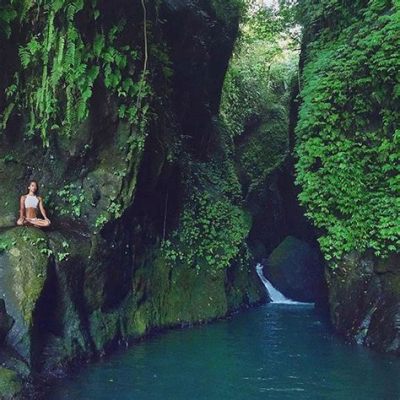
(276, 351)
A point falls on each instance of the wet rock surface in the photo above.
(364, 297)
(6, 321)
(297, 270)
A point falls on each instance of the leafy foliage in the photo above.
(348, 136)
(6, 243)
(255, 98)
(11, 12)
(7, 15)
(61, 66)
(211, 232)
(69, 200)
(260, 70)
(213, 224)
(113, 211)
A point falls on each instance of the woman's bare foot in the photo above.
(21, 221)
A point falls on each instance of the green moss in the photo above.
(187, 301)
(139, 322)
(6, 243)
(103, 327)
(243, 287)
(264, 151)
(105, 191)
(10, 384)
(173, 295)
(28, 256)
(283, 251)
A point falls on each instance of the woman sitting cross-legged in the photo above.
(29, 205)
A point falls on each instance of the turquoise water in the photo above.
(275, 351)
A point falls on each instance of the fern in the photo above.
(24, 56)
(63, 61)
(98, 45)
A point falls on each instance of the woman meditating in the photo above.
(28, 207)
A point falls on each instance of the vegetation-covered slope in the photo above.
(348, 137)
(347, 160)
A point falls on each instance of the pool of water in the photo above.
(275, 351)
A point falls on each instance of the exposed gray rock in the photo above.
(364, 297)
(6, 322)
(297, 270)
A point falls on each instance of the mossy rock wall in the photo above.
(97, 277)
(24, 271)
(346, 151)
(69, 310)
(364, 296)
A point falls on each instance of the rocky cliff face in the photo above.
(347, 150)
(114, 190)
(364, 297)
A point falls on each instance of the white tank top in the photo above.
(31, 201)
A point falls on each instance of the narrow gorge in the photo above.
(177, 145)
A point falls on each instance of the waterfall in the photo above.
(275, 295)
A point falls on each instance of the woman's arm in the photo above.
(22, 207)
(42, 208)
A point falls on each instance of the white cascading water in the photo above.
(275, 295)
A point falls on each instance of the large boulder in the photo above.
(296, 269)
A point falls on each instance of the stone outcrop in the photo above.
(97, 277)
(24, 271)
(297, 270)
(364, 297)
(6, 321)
